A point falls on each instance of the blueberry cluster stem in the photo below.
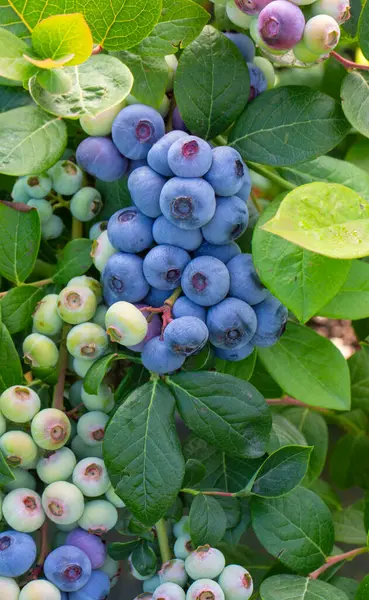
(77, 229)
(212, 493)
(349, 64)
(166, 309)
(44, 551)
(162, 534)
(333, 560)
(58, 396)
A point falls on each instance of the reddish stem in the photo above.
(97, 49)
(349, 64)
(333, 560)
(289, 401)
(44, 551)
(74, 412)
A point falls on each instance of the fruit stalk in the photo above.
(333, 560)
(348, 64)
(58, 395)
(161, 531)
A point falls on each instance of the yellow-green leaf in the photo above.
(49, 63)
(59, 36)
(326, 218)
(13, 65)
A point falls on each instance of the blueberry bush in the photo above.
(184, 190)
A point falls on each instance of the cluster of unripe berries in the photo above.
(199, 574)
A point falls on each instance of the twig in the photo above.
(44, 551)
(161, 531)
(212, 493)
(74, 412)
(271, 175)
(58, 396)
(166, 309)
(77, 229)
(289, 401)
(333, 560)
(349, 64)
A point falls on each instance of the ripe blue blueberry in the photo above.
(56, 466)
(157, 357)
(19, 193)
(281, 25)
(136, 129)
(101, 251)
(205, 562)
(183, 547)
(38, 186)
(40, 589)
(183, 307)
(40, 351)
(99, 157)
(156, 298)
(91, 477)
(53, 228)
(91, 428)
(145, 187)
(91, 544)
(22, 510)
(245, 283)
(189, 156)
(19, 403)
(244, 191)
(43, 208)
(177, 121)
(205, 280)
(165, 232)
(76, 304)
(68, 567)
(243, 43)
(63, 502)
(188, 203)
(169, 591)
(229, 221)
(231, 323)
(163, 266)
(158, 154)
(321, 34)
(99, 517)
(258, 81)
(205, 589)
(97, 588)
(17, 553)
(123, 279)
(46, 319)
(186, 335)
(235, 354)
(223, 252)
(103, 400)
(173, 571)
(87, 340)
(129, 230)
(236, 583)
(154, 326)
(86, 204)
(271, 321)
(9, 588)
(228, 172)
(67, 177)
(97, 229)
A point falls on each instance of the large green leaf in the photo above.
(284, 433)
(281, 472)
(20, 235)
(211, 84)
(358, 364)
(98, 84)
(18, 306)
(288, 125)
(11, 368)
(150, 76)
(242, 369)
(264, 382)
(363, 591)
(226, 412)
(355, 100)
(292, 587)
(96, 373)
(309, 367)
(349, 525)
(13, 65)
(302, 280)
(115, 194)
(349, 461)
(142, 452)
(13, 97)
(297, 528)
(22, 131)
(352, 300)
(74, 260)
(207, 521)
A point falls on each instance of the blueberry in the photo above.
(186, 335)
(229, 221)
(158, 154)
(228, 172)
(76, 304)
(169, 591)
(46, 319)
(43, 208)
(97, 588)
(205, 563)
(53, 228)
(189, 156)
(91, 477)
(231, 324)
(173, 571)
(38, 186)
(91, 544)
(90, 282)
(237, 16)
(113, 498)
(258, 81)
(136, 164)
(112, 569)
(136, 129)
(145, 187)
(83, 450)
(150, 585)
(245, 283)
(156, 298)
(102, 123)
(67, 177)
(99, 157)
(101, 251)
(9, 588)
(183, 547)
(19, 192)
(22, 510)
(205, 280)
(18, 449)
(302, 52)
(157, 357)
(97, 229)
(165, 232)
(281, 24)
(321, 34)
(123, 279)
(251, 7)
(242, 41)
(2, 424)
(223, 252)
(236, 583)
(103, 400)
(99, 316)
(181, 527)
(154, 326)
(87, 340)
(338, 9)
(40, 351)
(86, 204)
(188, 203)
(63, 502)
(56, 466)
(22, 479)
(267, 68)
(163, 266)
(19, 403)
(205, 588)
(40, 589)
(183, 307)
(130, 231)
(235, 354)
(68, 567)
(244, 191)
(17, 553)
(82, 365)
(98, 517)
(271, 321)
(91, 428)
(51, 429)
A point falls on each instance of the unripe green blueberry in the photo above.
(76, 304)
(98, 517)
(63, 502)
(19, 404)
(181, 527)
(103, 400)
(136, 574)
(266, 66)
(46, 319)
(53, 228)
(23, 511)
(102, 123)
(35, 590)
(113, 498)
(43, 208)
(183, 547)
(112, 569)
(164, 106)
(19, 449)
(97, 229)
(56, 466)
(150, 585)
(173, 571)
(74, 392)
(67, 177)
(91, 427)
(2, 424)
(22, 479)
(101, 251)
(86, 204)
(9, 588)
(302, 52)
(205, 562)
(125, 324)
(50, 429)
(82, 450)
(205, 589)
(236, 583)
(236, 15)
(172, 63)
(81, 366)
(19, 193)
(321, 34)
(87, 340)
(66, 528)
(169, 591)
(59, 539)
(91, 477)
(40, 351)
(38, 186)
(100, 315)
(338, 9)
(90, 282)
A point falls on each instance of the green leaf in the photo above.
(122, 550)
(281, 472)
(144, 559)
(24, 129)
(355, 100)
(264, 382)
(13, 97)
(292, 587)
(20, 235)
(180, 23)
(13, 65)
(302, 280)
(142, 452)
(358, 364)
(18, 306)
(211, 84)
(363, 591)
(232, 508)
(349, 461)
(242, 369)
(194, 472)
(352, 300)
(288, 125)
(326, 218)
(309, 367)
(224, 411)
(11, 368)
(326, 492)
(100, 83)
(96, 373)
(6, 474)
(55, 81)
(233, 535)
(349, 525)
(150, 76)
(62, 35)
(74, 260)
(284, 433)
(297, 528)
(116, 196)
(207, 521)
(329, 170)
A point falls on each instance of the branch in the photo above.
(289, 401)
(58, 396)
(271, 175)
(44, 551)
(77, 229)
(349, 64)
(333, 560)
(197, 492)
(161, 531)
